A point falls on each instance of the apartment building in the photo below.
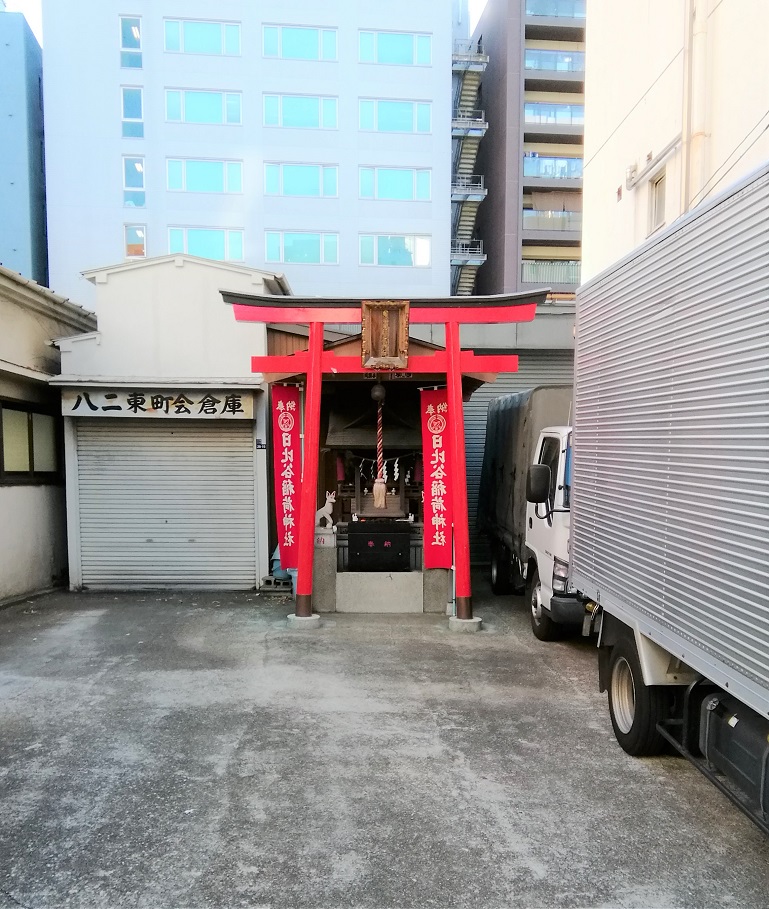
(689, 117)
(309, 139)
(22, 188)
(531, 158)
(529, 170)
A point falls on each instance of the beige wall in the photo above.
(689, 72)
(30, 317)
(33, 548)
(33, 544)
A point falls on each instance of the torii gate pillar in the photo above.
(309, 495)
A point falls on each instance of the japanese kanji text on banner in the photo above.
(437, 498)
(287, 454)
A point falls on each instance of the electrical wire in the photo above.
(717, 175)
(612, 133)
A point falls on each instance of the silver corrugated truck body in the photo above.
(670, 508)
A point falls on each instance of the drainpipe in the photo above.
(695, 102)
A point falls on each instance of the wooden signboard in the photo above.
(385, 334)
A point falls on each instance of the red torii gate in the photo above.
(317, 312)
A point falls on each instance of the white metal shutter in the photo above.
(166, 504)
(535, 367)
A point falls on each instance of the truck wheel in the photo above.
(544, 628)
(500, 569)
(635, 708)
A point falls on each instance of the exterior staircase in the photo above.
(468, 126)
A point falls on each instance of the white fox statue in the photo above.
(324, 513)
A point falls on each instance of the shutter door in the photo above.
(166, 504)
(546, 367)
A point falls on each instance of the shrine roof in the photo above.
(497, 308)
(492, 300)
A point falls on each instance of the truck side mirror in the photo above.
(538, 483)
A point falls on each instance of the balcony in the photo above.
(552, 168)
(545, 112)
(558, 274)
(468, 189)
(557, 9)
(469, 123)
(556, 228)
(541, 172)
(552, 220)
(554, 71)
(554, 61)
(544, 121)
(556, 20)
(469, 55)
(467, 252)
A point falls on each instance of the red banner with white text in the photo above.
(287, 455)
(437, 496)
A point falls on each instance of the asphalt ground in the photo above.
(189, 750)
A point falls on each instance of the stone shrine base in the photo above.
(389, 592)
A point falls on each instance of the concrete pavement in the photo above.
(189, 750)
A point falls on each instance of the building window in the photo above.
(395, 116)
(550, 271)
(135, 241)
(130, 42)
(29, 450)
(133, 119)
(208, 243)
(397, 48)
(535, 165)
(301, 180)
(203, 107)
(657, 201)
(557, 61)
(133, 182)
(182, 36)
(301, 247)
(293, 43)
(554, 114)
(571, 9)
(300, 111)
(404, 184)
(395, 250)
(195, 176)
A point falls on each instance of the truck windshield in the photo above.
(567, 475)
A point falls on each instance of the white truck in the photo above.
(521, 548)
(668, 488)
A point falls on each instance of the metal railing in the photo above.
(554, 114)
(541, 271)
(569, 9)
(474, 184)
(470, 50)
(471, 117)
(466, 248)
(552, 220)
(554, 61)
(552, 168)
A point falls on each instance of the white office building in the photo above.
(304, 138)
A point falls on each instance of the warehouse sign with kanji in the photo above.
(175, 404)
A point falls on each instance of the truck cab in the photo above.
(555, 610)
